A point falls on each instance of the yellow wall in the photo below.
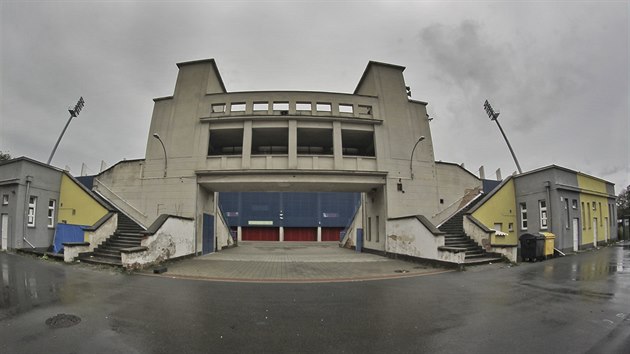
(76, 206)
(593, 191)
(500, 208)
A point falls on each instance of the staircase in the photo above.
(456, 237)
(127, 234)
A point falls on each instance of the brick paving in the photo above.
(294, 262)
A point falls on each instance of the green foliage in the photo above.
(623, 202)
(4, 156)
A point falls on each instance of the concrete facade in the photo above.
(219, 141)
(22, 182)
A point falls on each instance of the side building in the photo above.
(577, 208)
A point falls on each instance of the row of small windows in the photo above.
(275, 141)
(284, 107)
(586, 213)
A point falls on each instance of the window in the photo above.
(5, 199)
(225, 142)
(261, 106)
(238, 107)
(588, 207)
(51, 213)
(498, 226)
(346, 108)
(566, 207)
(365, 110)
(218, 108)
(281, 106)
(510, 227)
(600, 215)
(523, 208)
(303, 106)
(574, 204)
(323, 107)
(583, 217)
(542, 207)
(32, 207)
(357, 143)
(369, 225)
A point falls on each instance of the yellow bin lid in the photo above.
(548, 235)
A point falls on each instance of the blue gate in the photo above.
(208, 233)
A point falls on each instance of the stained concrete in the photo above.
(575, 304)
(293, 262)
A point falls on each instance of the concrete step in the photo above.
(95, 259)
(482, 260)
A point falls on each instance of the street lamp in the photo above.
(73, 113)
(493, 116)
(155, 135)
(411, 158)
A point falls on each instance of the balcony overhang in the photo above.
(290, 181)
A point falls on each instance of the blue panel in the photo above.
(290, 209)
(208, 234)
(67, 233)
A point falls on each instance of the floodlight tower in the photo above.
(493, 116)
(73, 113)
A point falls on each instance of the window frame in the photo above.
(32, 206)
(51, 213)
(543, 215)
(523, 213)
(5, 199)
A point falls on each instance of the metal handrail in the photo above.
(30, 244)
(119, 197)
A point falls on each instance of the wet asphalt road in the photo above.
(573, 304)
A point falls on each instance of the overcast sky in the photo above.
(556, 70)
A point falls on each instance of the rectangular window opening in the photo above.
(270, 141)
(346, 108)
(377, 229)
(51, 213)
(303, 106)
(225, 142)
(261, 106)
(314, 141)
(542, 207)
(238, 107)
(218, 108)
(323, 107)
(281, 106)
(523, 208)
(5, 199)
(365, 111)
(32, 209)
(357, 143)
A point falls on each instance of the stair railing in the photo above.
(99, 183)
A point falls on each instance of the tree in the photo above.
(4, 156)
(623, 202)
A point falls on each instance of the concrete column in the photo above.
(239, 233)
(319, 234)
(247, 145)
(281, 233)
(293, 144)
(337, 146)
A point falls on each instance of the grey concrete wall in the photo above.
(44, 184)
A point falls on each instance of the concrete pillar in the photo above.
(281, 233)
(337, 146)
(499, 174)
(482, 174)
(247, 145)
(239, 233)
(293, 144)
(319, 234)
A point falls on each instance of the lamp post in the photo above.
(73, 113)
(155, 135)
(493, 116)
(411, 158)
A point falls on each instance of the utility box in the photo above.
(549, 243)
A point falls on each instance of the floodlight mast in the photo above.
(73, 113)
(493, 116)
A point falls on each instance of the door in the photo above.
(261, 234)
(300, 234)
(208, 234)
(576, 234)
(4, 223)
(595, 232)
